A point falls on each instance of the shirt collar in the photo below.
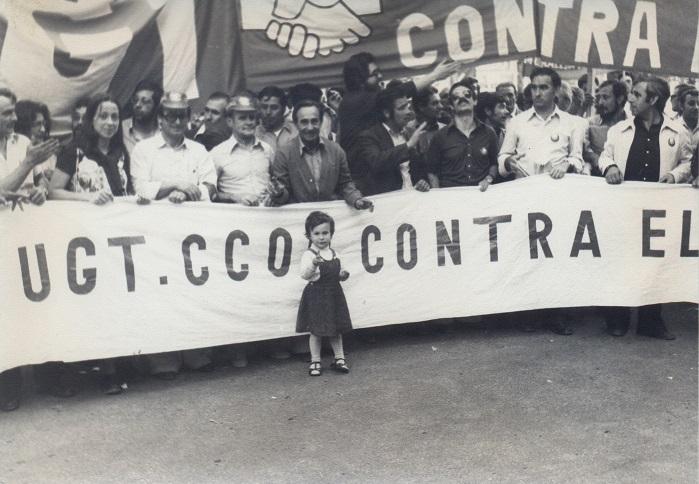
(391, 133)
(161, 143)
(304, 149)
(531, 112)
(234, 143)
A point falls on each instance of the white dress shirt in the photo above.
(154, 161)
(544, 142)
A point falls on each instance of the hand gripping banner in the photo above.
(84, 282)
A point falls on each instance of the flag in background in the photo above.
(57, 51)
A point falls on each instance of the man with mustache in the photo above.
(143, 122)
(609, 105)
(465, 153)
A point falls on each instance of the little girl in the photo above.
(323, 309)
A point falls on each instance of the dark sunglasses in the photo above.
(174, 115)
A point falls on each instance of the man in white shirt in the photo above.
(17, 157)
(542, 139)
(170, 165)
(243, 161)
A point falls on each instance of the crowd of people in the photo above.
(308, 144)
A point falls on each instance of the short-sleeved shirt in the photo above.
(90, 170)
(154, 161)
(242, 171)
(460, 160)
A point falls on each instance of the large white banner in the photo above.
(82, 282)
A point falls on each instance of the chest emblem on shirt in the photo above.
(484, 151)
(671, 142)
(555, 138)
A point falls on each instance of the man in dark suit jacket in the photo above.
(312, 169)
(384, 157)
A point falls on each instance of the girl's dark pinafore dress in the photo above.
(323, 309)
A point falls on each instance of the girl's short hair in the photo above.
(317, 218)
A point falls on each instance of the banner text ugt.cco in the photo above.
(84, 282)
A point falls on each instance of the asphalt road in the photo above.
(484, 403)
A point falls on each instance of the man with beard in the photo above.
(688, 100)
(609, 105)
(215, 129)
(384, 157)
(363, 83)
(274, 129)
(465, 153)
(492, 111)
(243, 161)
(648, 148)
(143, 122)
(313, 169)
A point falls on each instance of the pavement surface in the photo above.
(484, 403)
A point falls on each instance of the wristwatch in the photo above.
(489, 179)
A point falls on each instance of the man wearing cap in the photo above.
(311, 168)
(170, 165)
(243, 161)
(274, 128)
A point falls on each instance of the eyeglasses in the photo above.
(176, 115)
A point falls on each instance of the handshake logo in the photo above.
(310, 27)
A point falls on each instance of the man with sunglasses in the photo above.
(168, 165)
(465, 153)
(143, 122)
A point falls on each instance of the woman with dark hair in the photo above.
(34, 122)
(95, 166)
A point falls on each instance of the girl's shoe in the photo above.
(340, 365)
(315, 369)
